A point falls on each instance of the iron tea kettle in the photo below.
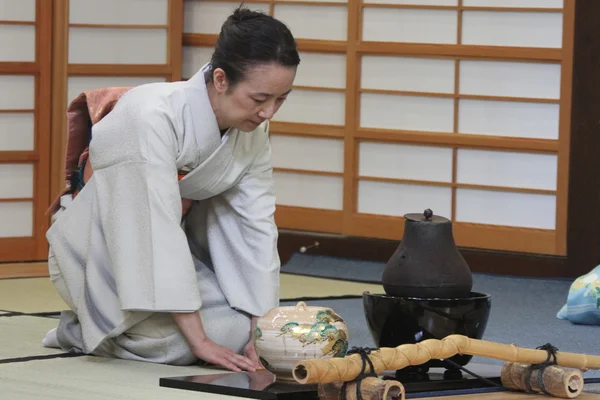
(427, 263)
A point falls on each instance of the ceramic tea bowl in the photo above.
(393, 321)
(286, 335)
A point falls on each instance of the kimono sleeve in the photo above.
(139, 212)
(242, 239)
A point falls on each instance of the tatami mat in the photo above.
(38, 295)
(95, 378)
(22, 336)
(29, 295)
(293, 286)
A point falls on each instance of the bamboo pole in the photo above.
(370, 389)
(553, 380)
(387, 359)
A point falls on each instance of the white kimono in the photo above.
(120, 255)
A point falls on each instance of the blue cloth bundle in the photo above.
(583, 300)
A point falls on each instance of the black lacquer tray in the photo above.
(262, 384)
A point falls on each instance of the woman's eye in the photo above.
(259, 101)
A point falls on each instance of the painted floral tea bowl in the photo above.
(286, 335)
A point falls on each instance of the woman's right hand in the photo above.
(213, 353)
(206, 349)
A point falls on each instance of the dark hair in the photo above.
(249, 38)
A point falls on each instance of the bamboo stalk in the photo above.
(386, 359)
(370, 389)
(557, 381)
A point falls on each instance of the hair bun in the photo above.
(242, 14)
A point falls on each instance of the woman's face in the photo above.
(256, 98)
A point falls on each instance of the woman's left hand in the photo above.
(250, 352)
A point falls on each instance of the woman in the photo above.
(143, 282)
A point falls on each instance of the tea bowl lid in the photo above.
(300, 311)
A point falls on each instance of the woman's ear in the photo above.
(220, 80)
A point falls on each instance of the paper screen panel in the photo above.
(507, 118)
(527, 29)
(193, 59)
(135, 12)
(314, 22)
(208, 16)
(321, 70)
(16, 132)
(18, 92)
(17, 43)
(512, 79)
(79, 84)
(397, 199)
(17, 219)
(316, 1)
(413, 113)
(522, 210)
(509, 169)
(416, 2)
(409, 25)
(514, 3)
(16, 181)
(17, 10)
(403, 161)
(117, 46)
(433, 75)
(313, 107)
(310, 191)
(307, 153)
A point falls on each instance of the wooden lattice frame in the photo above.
(62, 70)
(348, 221)
(34, 247)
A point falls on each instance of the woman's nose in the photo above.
(268, 112)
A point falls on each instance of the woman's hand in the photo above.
(212, 353)
(250, 349)
(250, 353)
(206, 349)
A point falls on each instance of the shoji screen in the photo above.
(463, 107)
(307, 134)
(111, 43)
(25, 33)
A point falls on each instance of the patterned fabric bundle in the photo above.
(583, 300)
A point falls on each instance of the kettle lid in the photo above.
(426, 216)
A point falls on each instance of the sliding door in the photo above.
(25, 73)
(108, 43)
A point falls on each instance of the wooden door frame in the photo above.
(51, 124)
(35, 248)
(61, 70)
